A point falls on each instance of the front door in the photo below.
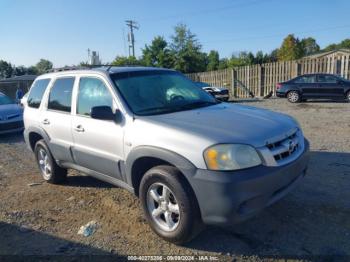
(98, 144)
(330, 86)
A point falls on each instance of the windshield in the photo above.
(5, 100)
(159, 92)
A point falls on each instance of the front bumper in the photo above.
(11, 126)
(231, 197)
(222, 97)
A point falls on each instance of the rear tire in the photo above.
(49, 170)
(170, 205)
(294, 97)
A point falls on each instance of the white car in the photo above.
(220, 93)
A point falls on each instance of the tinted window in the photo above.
(61, 95)
(36, 93)
(305, 79)
(5, 100)
(92, 92)
(327, 79)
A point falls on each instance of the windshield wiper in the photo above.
(159, 108)
(199, 104)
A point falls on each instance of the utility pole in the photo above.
(88, 51)
(131, 39)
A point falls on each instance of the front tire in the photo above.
(49, 170)
(294, 97)
(169, 204)
(347, 96)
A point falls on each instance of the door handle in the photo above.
(46, 121)
(79, 128)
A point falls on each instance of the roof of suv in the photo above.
(102, 69)
(121, 69)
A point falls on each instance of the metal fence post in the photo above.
(233, 84)
(261, 75)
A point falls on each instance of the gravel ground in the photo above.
(313, 220)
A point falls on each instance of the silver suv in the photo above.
(191, 159)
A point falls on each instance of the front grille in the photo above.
(11, 125)
(224, 92)
(286, 148)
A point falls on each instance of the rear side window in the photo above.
(36, 92)
(92, 92)
(60, 98)
(305, 79)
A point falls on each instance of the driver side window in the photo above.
(92, 92)
(327, 79)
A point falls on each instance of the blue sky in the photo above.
(63, 30)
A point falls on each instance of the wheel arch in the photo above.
(33, 135)
(143, 158)
(294, 90)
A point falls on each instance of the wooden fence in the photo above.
(262, 79)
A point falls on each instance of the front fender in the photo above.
(187, 168)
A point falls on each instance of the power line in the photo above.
(205, 11)
(131, 39)
(277, 35)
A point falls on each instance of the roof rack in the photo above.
(68, 68)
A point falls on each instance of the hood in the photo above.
(229, 123)
(10, 110)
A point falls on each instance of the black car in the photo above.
(314, 86)
(220, 93)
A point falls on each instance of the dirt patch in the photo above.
(312, 220)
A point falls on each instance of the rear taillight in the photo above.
(278, 86)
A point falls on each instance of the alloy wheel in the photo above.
(44, 163)
(293, 97)
(163, 207)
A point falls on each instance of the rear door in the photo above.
(307, 85)
(32, 109)
(98, 144)
(330, 86)
(56, 118)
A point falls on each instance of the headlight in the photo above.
(231, 157)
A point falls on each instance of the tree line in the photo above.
(9, 70)
(184, 52)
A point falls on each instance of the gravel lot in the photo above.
(314, 219)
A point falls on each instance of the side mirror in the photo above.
(105, 113)
(340, 82)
